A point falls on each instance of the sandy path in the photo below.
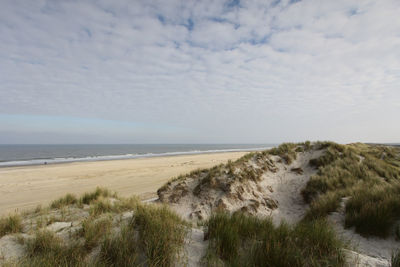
(26, 187)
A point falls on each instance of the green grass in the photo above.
(369, 175)
(374, 211)
(88, 197)
(395, 262)
(153, 237)
(120, 250)
(68, 199)
(46, 249)
(10, 224)
(154, 231)
(161, 234)
(101, 206)
(242, 240)
(319, 209)
(94, 230)
(286, 151)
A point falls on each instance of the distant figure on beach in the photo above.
(45, 163)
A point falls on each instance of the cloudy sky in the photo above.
(188, 71)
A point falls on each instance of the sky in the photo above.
(156, 71)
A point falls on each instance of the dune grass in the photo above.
(395, 261)
(10, 224)
(161, 234)
(46, 249)
(119, 250)
(153, 237)
(369, 175)
(68, 199)
(374, 211)
(155, 232)
(243, 240)
(286, 151)
(88, 197)
(93, 230)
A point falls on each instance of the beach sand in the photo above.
(26, 187)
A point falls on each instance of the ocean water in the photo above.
(20, 155)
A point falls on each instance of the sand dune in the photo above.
(26, 187)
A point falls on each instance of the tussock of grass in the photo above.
(68, 199)
(126, 204)
(87, 198)
(155, 231)
(154, 236)
(325, 204)
(46, 249)
(10, 224)
(101, 206)
(374, 211)
(93, 230)
(119, 250)
(369, 175)
(286, 151)
(242, 240)
(161, 234)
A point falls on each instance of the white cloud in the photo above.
(260, 71)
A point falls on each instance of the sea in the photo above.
(22, 155)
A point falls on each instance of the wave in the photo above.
(44, 161)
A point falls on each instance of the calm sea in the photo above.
(19, 155)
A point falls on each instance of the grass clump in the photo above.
(101, 206)
(369, 175)
(161, 234)
(155, 232)
(374, 211)
(46, 249)
(10, 224)
(120, 250)
(242, 240)
(87, 198)
(327, 203)
(93, 230)
(286, 151)
(68, 199)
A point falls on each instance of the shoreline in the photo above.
(25, 187)
(52, 161)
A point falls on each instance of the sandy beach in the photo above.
(26, 187)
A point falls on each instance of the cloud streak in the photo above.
(235, 71)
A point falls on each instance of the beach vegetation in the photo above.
(88, 197)
(395, 261)
(10, 224)
(68, 199)
(101, 206)
(95, 229)
(121, 249)
(161, 234)
(46, 249)
(287, 151)
(367, 176)
(244, 240)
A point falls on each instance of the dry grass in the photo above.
(10, 224)
(93, 230)
(46, 249)
(87, 198)
(68, 199)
